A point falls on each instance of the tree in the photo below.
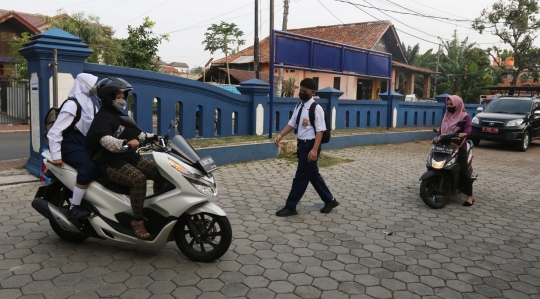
(515, 23)
(197, 70)
(414, 58)
(222, 37)
(139, 49)
(21, 65)
(465, 69)
(97, 36)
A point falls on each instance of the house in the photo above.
(15, 23)
(182, 67)
(378, 36)
(166, 69)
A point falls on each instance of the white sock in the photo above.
(78, 195)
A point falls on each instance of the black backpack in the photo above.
(326, 134)
(53, 113)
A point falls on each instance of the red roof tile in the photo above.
(412, 68)
(529, 82)
(32, 19)
(363, 35)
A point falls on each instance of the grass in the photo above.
(325, 160)
(235, 140)
(22, 166)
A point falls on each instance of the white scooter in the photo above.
(182, 212)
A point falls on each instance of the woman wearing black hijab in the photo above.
(121, 164)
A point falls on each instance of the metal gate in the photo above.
(14, 99)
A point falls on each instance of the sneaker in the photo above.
(286, 212)
(77, 212)
(329, 206)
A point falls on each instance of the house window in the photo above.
(337, 83)
(316, 81)
(292, 71)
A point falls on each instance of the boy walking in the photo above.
(308, 149)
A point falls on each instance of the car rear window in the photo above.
(511, 106)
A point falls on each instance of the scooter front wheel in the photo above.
(435, 192)
(203, 237)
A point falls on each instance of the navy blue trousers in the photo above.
(307, 172)
(75, 154)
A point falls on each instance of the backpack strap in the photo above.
(77, 114)
(312, 115)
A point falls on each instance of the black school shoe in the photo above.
(329, 206)
(77, 212)
(286, 212)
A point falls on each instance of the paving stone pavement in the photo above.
(489, 250)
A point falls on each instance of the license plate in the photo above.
(208, 164)
(490, 130)
(443, 150)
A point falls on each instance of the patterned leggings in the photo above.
(135, 178)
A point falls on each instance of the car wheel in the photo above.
(475, 141)
(525, 142)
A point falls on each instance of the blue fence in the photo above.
(203, 110)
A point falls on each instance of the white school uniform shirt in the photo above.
(305, 130)
(80, 90)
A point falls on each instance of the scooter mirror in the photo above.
(435, 130)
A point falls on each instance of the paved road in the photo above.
(489, 250)
(14, 145)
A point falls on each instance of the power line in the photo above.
(396, 28)
(110, 7)
(75, 4)
(435, 18)
(144, 13)
(415, 13)
(434, 8)
(402, 22)
(190, 26)
(330, 11)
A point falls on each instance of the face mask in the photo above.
(120, 105)
(93, 91)
(451, 109)
(304, 96)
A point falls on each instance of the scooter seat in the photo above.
(116, 188)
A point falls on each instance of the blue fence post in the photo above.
(71, 54)
(258, 91)
(332, 95)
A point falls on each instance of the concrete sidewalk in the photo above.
(14, 128)
(12, 172)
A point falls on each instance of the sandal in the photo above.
(139, 230)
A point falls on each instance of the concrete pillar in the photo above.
(409, 87)
(71, 54)
(395, 80)
(332, 95)
(258, 91)
(427, 86)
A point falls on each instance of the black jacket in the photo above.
(107, 122)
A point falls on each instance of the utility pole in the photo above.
(284, 28)
(436, 72)
(256, 42)
(270, 71)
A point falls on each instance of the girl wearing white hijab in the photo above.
(67, 143)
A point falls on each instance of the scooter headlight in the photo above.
(451, 162)
(437, 164)
(203, 187)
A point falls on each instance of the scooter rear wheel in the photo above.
(54, 195)
(203, 237)
(433, 194)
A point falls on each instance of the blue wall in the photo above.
(216, 106)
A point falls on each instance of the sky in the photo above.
(186, 21)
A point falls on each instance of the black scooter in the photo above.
(440, 181)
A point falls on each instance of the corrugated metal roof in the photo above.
(243, 59)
